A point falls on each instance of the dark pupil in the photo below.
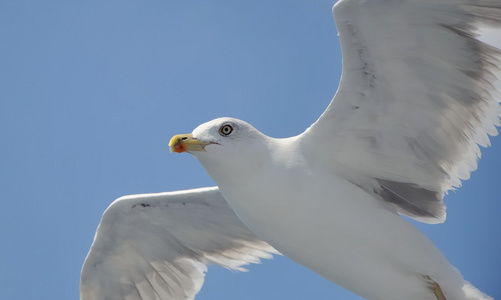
(226, 129)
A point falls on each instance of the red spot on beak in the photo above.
(179, 147)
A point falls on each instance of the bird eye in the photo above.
(225, 130)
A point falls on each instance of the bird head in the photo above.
(223, 143)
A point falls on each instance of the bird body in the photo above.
(357, 238)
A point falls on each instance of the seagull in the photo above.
(419, 94)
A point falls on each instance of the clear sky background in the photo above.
(91, 92)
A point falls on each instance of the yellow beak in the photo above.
(185, 143)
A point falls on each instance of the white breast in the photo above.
(339, 231)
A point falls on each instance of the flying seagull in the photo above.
(418, 95)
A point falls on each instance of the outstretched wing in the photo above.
(418, 94)
(157, 246)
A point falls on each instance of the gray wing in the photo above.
(157, 246)
(418, 94)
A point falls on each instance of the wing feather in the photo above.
(419, 93)
(157, 246)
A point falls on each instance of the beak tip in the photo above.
(178, 148)
(176, 143)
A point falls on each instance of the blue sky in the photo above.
(91, 92)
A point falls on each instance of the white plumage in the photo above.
(419, 92)
(156, 246)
